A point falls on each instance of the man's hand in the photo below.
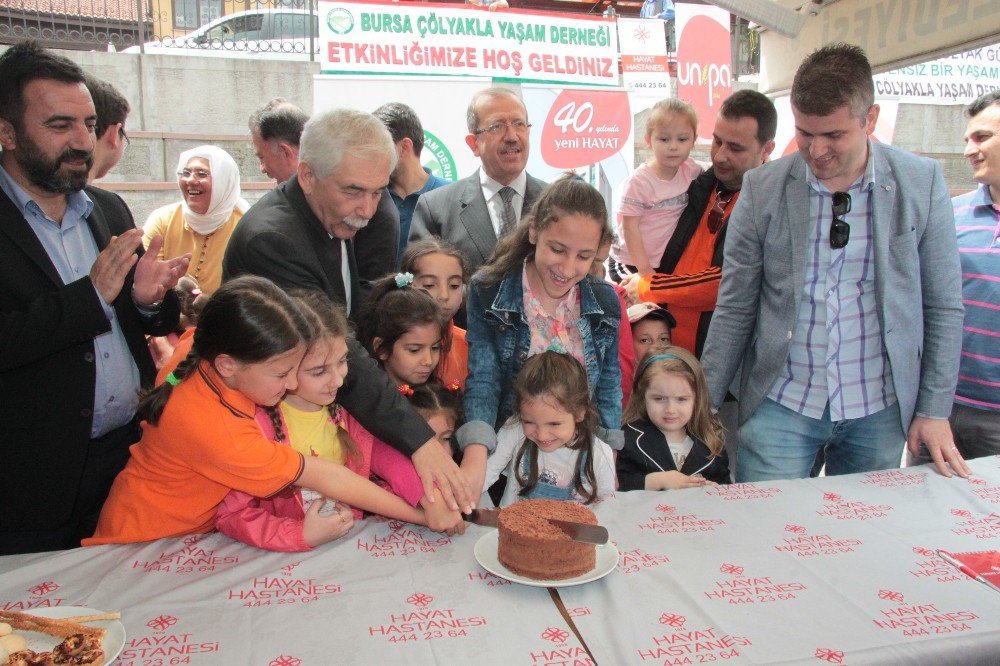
(936, 435)
(631, 286)
(434, 466)
(154, 277)
(113, 264)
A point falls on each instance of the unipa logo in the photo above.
(340, 21)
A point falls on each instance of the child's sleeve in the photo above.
(397, 470)
(507, 442)
(604, 470)
(608, 392)
(482, 387)
(631, 470)
(273, 524)
(718, 471)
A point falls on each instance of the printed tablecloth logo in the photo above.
(680, 523)
(288, 568)
(39, 597)
(673, 620)
(162, 622)
(420, 600)
(191, 559)
(747, 589)
(742, 491)
(987, 527)
(841, 509)
(285, 660)
(832, 497)
(635, 560)
(731, 569)
(894, 478)
(934, 567)
(555, 635)
(163, 647)
(795, 528)
(807, 545)
(427, 623)
(961, 513)
(663, 508)
(42, 589)
(831, 656)
(282, 590)
(890, 595)
(920, 620)
(403, 539)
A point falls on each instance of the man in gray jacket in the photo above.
(840, 311)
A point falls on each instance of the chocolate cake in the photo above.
(531, 546)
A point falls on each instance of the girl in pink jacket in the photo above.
(309, 421)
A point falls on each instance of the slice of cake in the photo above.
(531, 546)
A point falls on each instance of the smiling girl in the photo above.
(537, 293)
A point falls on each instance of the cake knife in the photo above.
(576, 531)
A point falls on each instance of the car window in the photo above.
(240, 28)
(292, 26)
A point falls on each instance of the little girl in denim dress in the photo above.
(548, 448)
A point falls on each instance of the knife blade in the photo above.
(582, 532)
(485, 517)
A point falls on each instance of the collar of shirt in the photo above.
(492, 187)
(77, 203)
(865, 182)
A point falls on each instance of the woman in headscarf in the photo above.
(203, 221)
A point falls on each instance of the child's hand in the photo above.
(474, 467)
(319, 529)
(672, 480)
(440, 518)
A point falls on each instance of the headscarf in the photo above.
(225, 189)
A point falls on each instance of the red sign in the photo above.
(704, 69)
(585, 127)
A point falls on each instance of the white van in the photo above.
(261, 33)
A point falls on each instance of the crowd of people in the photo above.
(368, 338)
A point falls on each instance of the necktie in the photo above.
(508, 218)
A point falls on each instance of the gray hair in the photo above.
(472, 120)
(328, 135)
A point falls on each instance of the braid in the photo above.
(153, 401)
(584, 478)
(274, 414)
(347, 443)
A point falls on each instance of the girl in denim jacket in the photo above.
(536, 293)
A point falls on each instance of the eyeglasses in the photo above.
(501, 127)
(124, 137)
(200, 174)
(840, 230)
(718, 215)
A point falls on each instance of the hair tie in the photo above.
(453, 385)
(405, 389)
(557, 346)
(172, 379)
(196, 292)
(404, 280)
(658, 357)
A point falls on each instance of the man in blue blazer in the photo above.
(470, 212)
(839, 319)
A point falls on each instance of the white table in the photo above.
(833, 570)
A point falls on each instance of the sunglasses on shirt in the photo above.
(840, 230)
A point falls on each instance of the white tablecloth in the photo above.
(834, 570)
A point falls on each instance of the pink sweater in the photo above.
(276, 523)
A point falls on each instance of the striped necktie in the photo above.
(508, 218)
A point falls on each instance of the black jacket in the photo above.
(47, 369)
(279, 238)
(646, 451)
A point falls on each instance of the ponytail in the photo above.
(152, 401)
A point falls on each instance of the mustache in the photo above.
(75, 155)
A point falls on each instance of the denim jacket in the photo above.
(499, 338)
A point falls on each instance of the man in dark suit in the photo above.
(474, 212)
(76, 297)
(300, 235)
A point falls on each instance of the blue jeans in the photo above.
(778, 443)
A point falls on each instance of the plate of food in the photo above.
(77, 634)
(527, 549)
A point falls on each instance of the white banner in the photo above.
(645, 65)
(460, 40)
(958, 79)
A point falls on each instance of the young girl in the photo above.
(672, 438)
(402, 328)
(309, 420)
(191, 300)
(441, 406)
(440, 269)
(200, 439)
(548, 448)
(655, 195)
(537, 292)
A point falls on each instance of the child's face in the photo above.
(415, 355)
(548, 424)
(440, 275)
(648, 333)
(670, 404)
(266, 382)
(443, 424)
(564, 253)
(671, 140)
(321, 373)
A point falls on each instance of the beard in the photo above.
(44, 172)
